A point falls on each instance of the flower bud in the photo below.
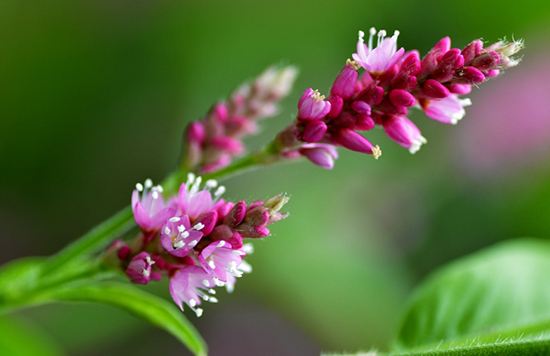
(344, 84)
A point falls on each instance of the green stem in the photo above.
(103, 234)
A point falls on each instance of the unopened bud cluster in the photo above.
(213, 142)
(195, 238)
(393, 81)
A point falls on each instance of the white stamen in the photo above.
(205, 297)
(218, 282)
(155, 194)
(181, 228)
(212, 264)
(245, 267)
(190, 180)
(167, 230)
(248, 248)
(193, 243)
(179, 244)
(221, 243)
(175, 219)
(198, 226)
(149, 261)
(361, 35)
(219, 192)
(184, 235)
(372, 32)
(206, 283)
(159, 188)
(198, 311)
(196, 185)
(145, 273)
(139, 187)
(211, 183)
(212, 291)
(148, 183)
(238, 253)
(192, 302)
(213, 300)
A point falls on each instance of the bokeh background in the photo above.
(94, 96)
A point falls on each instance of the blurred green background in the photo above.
(94, 96)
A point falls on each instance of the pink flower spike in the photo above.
(377, 60)
(320, 154)
(178, 237)
(404, 132)
(139, 269)
(314, 131)
(219, 259)
(188, 285)
(312, 105)
(449, 110)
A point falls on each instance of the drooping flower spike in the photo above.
(195, 238)
(392, 82)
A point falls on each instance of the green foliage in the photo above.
(21, 339)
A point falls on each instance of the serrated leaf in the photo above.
(146, 306)
(499, 293)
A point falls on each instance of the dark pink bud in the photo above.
(262, 231)
(257, 217)
(386, 78)
(355, 142)
(224, 209)
(255, 204)
(410, 64)
(400, 97)
(236, 215)
(320, 154)
(361, 107)
(468, 75)
(336, 105)
(363, 122)
(220, 112)
(209, 220)
(227, 144)
(139, 269)
(123, 252)
(486, 61)
(449, 62)
(432, 89)
(314, 131)
(312, 105)
(491, 73)
(460, 89)
(442, 46)
(408, 83)
(387, 107)
(373, 95)
(345, 120)
(344, 84)
(236, 240)
(221, 232)
(471, 51)
(195, 132)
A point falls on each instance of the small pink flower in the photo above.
(448, 110)
(178, 237)
(404, 132)
(193, 202)
(384, 56)
(312, 105)
(150, 211)
(321, 154)
(219, 260)
(188, 285)
(139, 269)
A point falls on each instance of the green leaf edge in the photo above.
(149, 306)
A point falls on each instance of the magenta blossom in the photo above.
(448, 110)
(404, 132)
(139, 269)
(219, 259)
(150, 211)
(189, 285)
(193, 202)
(379, 59)
(312, 105)
(178, 237)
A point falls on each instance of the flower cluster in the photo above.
(213, 142)
(194, 238)
(393, 81)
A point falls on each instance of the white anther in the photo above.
(192, 302)
(361, 34)
(238, 253)
(198, 311)
(167, 230)
(213, 300)
(205, 297)
(248, 248)
(211, 183)
(198, 226)
(175, 219)
(159, 188)
(372, 31)
(221, 243)
(145, 272)
(193, 243)
(245, 267)
(139, 187)
(155, 194)
(149, 261)
(212, 291)
(206, 283)
(181, 228)
(212, 264)
(179, 244)
(218, 282)
(148, 183)
(184, 235)
(219, 192)
(190, 180)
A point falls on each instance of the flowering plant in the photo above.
(190, 235)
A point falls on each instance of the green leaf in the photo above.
(146, 306)
(18, 278)
(498, 298)
(23, 339)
